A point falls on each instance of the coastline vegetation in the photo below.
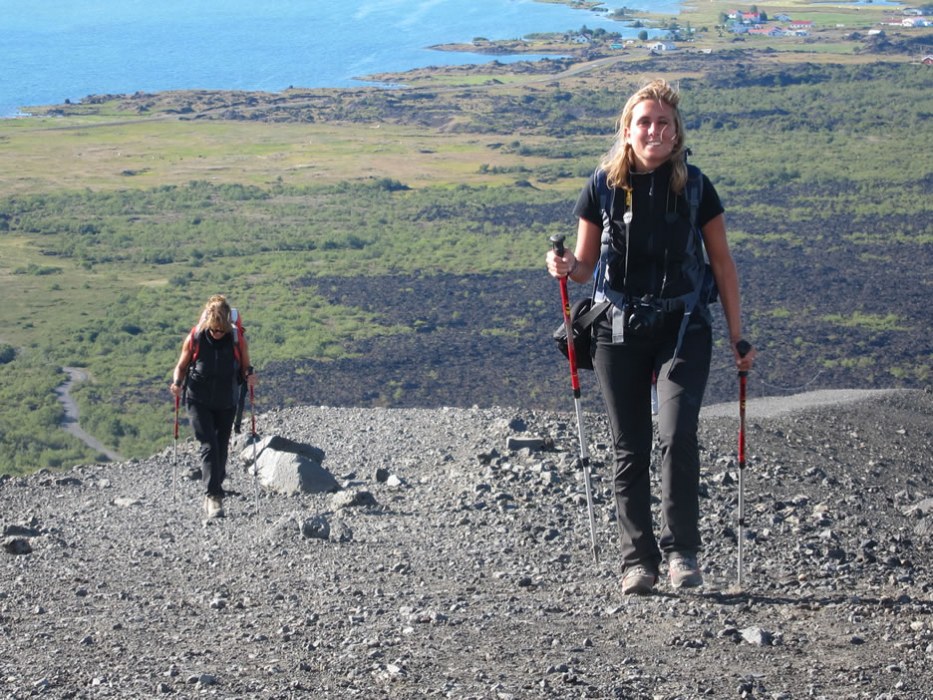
(121, 214)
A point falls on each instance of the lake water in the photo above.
(53, 50)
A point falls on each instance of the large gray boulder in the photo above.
(280, 444)
(290, 467)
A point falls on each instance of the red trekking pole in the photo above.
(583, 461)
(742, 347)
(175, 449)
(253, 438)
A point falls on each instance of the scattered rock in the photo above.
(757, 636)
(351, 499)
(316, 528)
(449, 566)
(514, 443)
(17, 545)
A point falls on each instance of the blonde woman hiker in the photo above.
(214, 361)
(646, 225)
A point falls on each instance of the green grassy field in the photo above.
(118, 219)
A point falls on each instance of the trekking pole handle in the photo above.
(557, 240)
(743, 347)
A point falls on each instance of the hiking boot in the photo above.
(685, 572)
(214, 506)
(639, 580)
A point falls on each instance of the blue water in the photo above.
(53, 50)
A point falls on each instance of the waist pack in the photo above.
(583, 315)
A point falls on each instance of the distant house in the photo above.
(927, 60)
(661, 46)
(744, 17)
(799, 24)
(766, 31)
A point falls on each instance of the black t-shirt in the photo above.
(657, 234)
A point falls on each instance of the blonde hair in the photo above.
(216, 314)
(617, 163)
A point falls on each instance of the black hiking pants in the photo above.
(212, 428)
(624, 372)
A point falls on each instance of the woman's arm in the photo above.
(181, 368)
(248, 370)
(727, 281)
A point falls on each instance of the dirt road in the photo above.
(70, 421)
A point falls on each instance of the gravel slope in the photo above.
(469, 574)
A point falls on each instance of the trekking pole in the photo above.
(238, 416)
(253, 438)
(742, 347)
(583, 461)
(175, 450)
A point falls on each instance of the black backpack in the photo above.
(704, 284)
(585, 312)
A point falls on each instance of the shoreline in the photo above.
(517, 46)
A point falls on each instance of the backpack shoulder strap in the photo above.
(239, 337)
(237, 325)
(602, 189)
(694, 192)
(606, 200)
(193, 344)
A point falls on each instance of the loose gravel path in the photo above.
(468, 574)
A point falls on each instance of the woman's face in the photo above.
(652, 133)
